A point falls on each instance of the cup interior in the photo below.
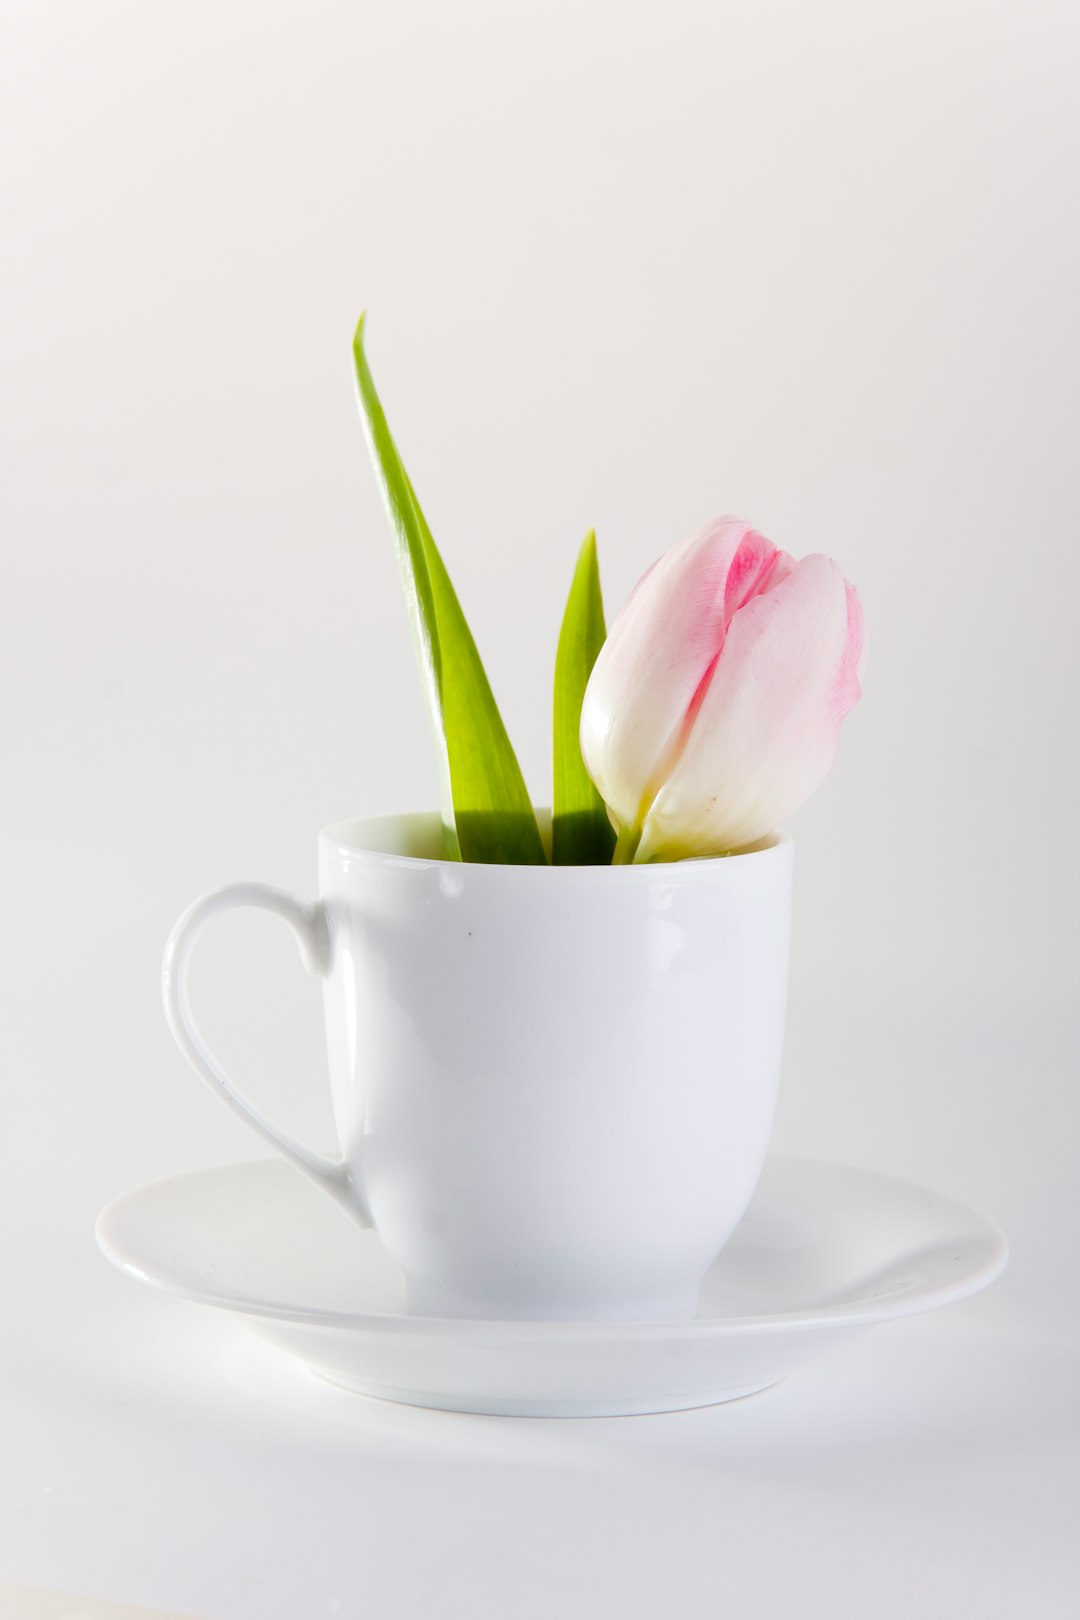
(418, 835)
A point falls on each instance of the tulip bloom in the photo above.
(714, 707)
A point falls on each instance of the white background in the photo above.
(628, 267)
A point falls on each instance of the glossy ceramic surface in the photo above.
(553, 1087)
(823, 1252)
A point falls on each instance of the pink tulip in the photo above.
(715, 705)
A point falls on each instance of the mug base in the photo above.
(680, 1305)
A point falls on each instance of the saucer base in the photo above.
(485, 1406)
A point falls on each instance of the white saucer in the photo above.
(823, 1252)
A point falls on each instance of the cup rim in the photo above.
(343, 838)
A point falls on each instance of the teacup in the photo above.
(553, 1086)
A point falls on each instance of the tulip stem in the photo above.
(626, 846)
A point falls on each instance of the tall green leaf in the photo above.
(581, 834)
(487, 812)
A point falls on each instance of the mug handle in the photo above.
(311, 930)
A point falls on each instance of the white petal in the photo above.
(766, 733)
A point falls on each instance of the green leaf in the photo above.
(581, 834)
(487, 812)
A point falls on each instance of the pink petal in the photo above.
(657, 656)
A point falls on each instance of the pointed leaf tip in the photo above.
(581, 832)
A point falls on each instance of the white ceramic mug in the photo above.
(553, 1086)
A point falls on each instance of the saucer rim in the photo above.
(821, 1318)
